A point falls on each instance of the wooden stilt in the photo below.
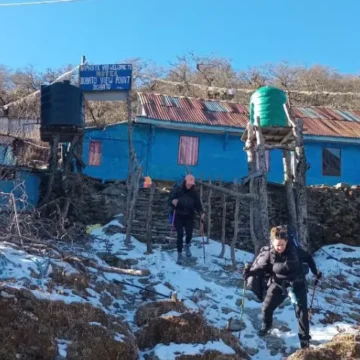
(300, 178)
(261, 184)
(290, 195)
(53, 164)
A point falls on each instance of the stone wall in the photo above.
(334, 213)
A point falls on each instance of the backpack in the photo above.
(292, 238)
(176, 185)
(258, 283)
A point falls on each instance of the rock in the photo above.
(226, 310)
(235, 325)
(26, 294)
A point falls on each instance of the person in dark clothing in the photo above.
(284, 262)
(185, 201)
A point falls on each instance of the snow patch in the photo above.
(171, 351)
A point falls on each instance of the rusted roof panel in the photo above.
(318, 121)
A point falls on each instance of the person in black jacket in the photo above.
(185, 201)
(284, 262)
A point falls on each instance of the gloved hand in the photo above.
(318, 277)
(246, 271)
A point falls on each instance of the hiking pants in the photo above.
(275, 296)
(183, 222)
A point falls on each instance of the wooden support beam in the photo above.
(290, 195)
(287, 112)
(300, 177)
(287, 137)
(263, 212)
(228, 191)
(131, 212)
(280, 147)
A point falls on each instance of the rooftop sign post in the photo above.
(105, 82)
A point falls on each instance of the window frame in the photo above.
(179, 149)
(89, 153)
(323, 163)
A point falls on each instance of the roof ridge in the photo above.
(237, 103)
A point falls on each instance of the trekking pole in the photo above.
(312, 299)
(203, 238)
(172, 224)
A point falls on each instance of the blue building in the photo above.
(172, 133)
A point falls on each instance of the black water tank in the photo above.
(62, 111)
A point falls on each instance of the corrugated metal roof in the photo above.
(6, 140)
(319, 121)
(191, 110)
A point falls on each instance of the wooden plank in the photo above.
(279, 146)
(229, 192)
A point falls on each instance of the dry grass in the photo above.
(341, 347)
(74, 281)
(152, 310)
(331, 318)
(189, 328)
(30, 328)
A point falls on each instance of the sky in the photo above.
(250, 32)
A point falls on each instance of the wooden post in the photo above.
(131, 213)
(236, 229)
(53, 164)
(300, 177)
(130, 140)
(249, 146)
(149, 219)
(290, 196)
(202, 203)
(263, 213)
(223, 226)
(208, 230)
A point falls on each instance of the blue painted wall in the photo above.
(6, 155)
(157, 150)
(29, 190)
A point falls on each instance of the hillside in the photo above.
(57, 293)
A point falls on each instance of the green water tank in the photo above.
(268, 103)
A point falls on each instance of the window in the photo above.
(94, 153)
(331, 162)
(188, 150)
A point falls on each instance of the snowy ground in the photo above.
(210, 286)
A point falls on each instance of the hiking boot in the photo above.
(179, 260)
(305, 344)
(265, 328)
(187, 250)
